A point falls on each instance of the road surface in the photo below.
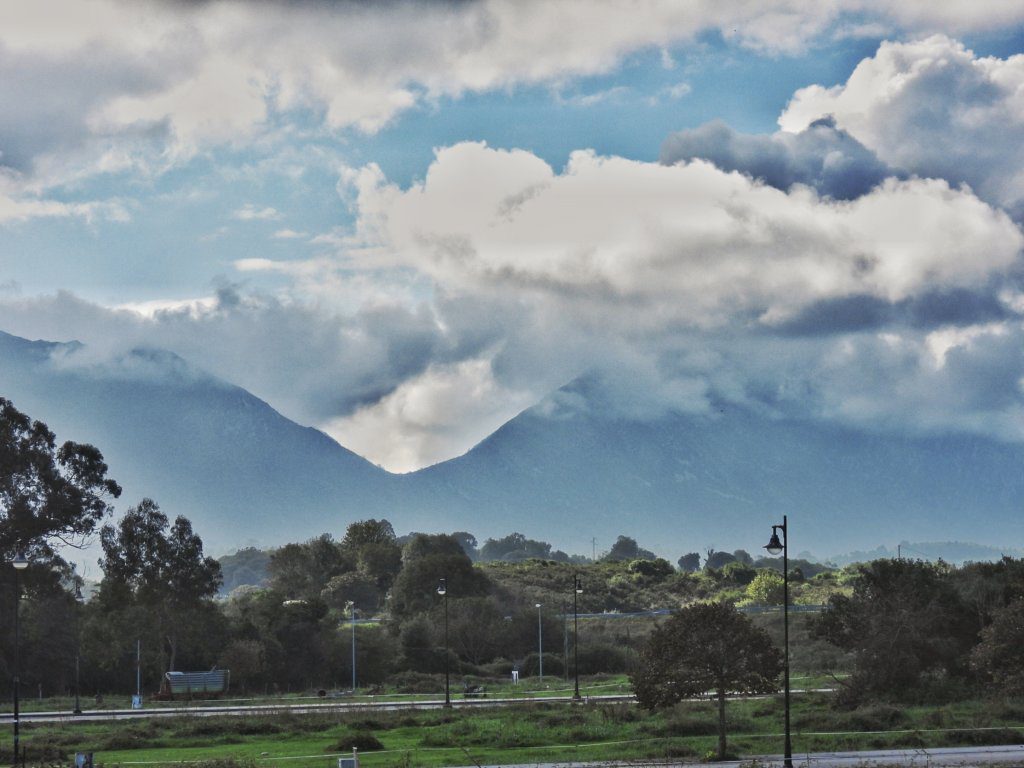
(959, 757)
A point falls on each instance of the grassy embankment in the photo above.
(525, 733)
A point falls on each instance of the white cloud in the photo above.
(418, 423)
(597, 97)
(932, 108)
(289, 234)
(18, 208)
(100, 84)
(153, 309)
(687, 242)
(250, 212)
(678, 90)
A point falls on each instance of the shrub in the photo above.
(416, 682)
(655, 570)
(877, 717)
(552, 665)
(601, 658)
(361, 740)
(498, 668)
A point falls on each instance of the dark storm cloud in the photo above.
(933, 309)
(823, 157)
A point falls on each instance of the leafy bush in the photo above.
(739, 573)
(601, 658)
(877, 717)
(361, 740)
(654, 570)
(416, 682)
(553, 665)
(498, 668)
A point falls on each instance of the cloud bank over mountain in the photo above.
(861, 265)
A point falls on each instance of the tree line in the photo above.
(904, 628)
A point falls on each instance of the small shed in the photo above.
(198, 683)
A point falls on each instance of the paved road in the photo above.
(960, 757)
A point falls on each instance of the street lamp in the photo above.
(776, 547)
(540, 644)
(442, 590)
(353, 648)
(78, 649)
(20, 563)
(577, 590)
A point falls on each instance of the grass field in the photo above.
(528, 688)
(521, 733)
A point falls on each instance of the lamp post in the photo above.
(78, 650)
(775, 547)
(353, 648)
(20, 563)
(565, 641)
(442, 590)
(540, 645)
(577, 590)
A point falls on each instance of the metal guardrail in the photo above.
(755, 609)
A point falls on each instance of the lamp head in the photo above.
(774, 545)
(578, 585)
(442, 586)
(20, 561)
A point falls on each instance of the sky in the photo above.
(405, 222)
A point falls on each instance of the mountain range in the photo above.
(564, 471)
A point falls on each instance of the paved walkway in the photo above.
(958, 757)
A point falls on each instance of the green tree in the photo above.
(718, 560)
(380, 562)
(903, 621)
(706, 647)
(425, 560)
(514, 548)
(742, 556)
(626, 548)
(766, 588)
(369, 531)
(654, 570)
(301, 571)
(989, 587)
(739, 573)
(247, 566)
(469, 544)
(999, 657)
(352, 587)
(689, 563)
(161, 569)
(47, 493)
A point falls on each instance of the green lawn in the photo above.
(528, 688)
(525, 733)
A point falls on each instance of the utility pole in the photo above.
(593, 548)
(353, 648)
(540, 644)
(138, 670)
(565, 640)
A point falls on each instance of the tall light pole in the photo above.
(540, 644)
(442, 589)
(353, 648)
(565, 641)
(20, 563)
(78, 650)
(577, 590)
(775, 547)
